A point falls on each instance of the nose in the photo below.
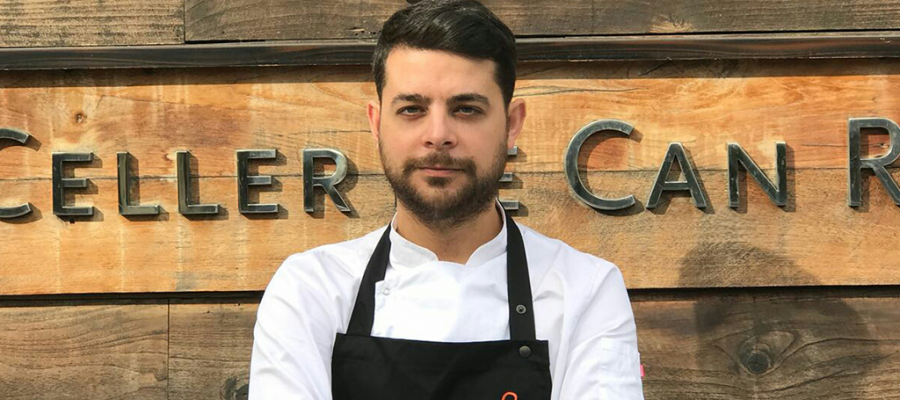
(441, 133)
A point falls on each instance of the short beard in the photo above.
(478, 194)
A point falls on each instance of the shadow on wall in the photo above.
(791, 343)
(231, 390)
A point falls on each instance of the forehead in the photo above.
(437, 74)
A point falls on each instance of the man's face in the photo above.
(443, 132)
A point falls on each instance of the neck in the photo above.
(455, 244)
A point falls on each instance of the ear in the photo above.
(374, 112)
(515, 119)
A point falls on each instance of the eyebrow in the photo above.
(460, 98)
(411, 98)
(470, 97)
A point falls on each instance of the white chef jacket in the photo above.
(580, 307)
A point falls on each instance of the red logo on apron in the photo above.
(510, 396)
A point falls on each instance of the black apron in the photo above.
(372, 368)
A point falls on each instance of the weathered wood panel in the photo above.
(111, 253)
(83, 350)
(816, 240)
(780, 45)
(215, 112)
(702, 104)
(208, 20)
(90, 23)
(761, 344)
(775, 345)
(765, 344)
(209, 348)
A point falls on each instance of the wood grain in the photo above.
(213, 113)
(216, 20)
(209, 348)
(338, 52)
(83, 350)
(90, 23)
(771, 345)
(832, 344)
(816, 240)
(756, 344)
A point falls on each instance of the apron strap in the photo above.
(363, 316)
(521, 312)
(518, 285)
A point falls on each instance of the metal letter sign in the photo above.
(326, 182)
(510, 205)
(878, 165)
(571, 165)
(185, 207)
(691, 183)
(737, 157)
(125, 207)
(20, 137)
(60, 184)
(245, 181)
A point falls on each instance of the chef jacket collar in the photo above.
(408, 254)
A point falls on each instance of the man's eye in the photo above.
(409, 111)
(468, 110)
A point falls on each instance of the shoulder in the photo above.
(579, 270)
(327, 264)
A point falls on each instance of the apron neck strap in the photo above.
(518, 285)
(521, 311)
(363, 316)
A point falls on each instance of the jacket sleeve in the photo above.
(603, 361)
(295, 329)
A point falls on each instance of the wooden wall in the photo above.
(134, 22)
(757, 302)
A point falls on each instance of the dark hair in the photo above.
(463, 27)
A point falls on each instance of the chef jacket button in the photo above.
(525, 351)
(521, 309)
(386, 291)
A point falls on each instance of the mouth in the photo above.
(439, 170)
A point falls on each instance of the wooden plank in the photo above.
(702, 104)
(209, 348)
(172, 252)
(213, 113)
(83, 350)
(217, 20)
(90, 23)
(757, 244)
(771, 345)
(758, 344)
(782, 45)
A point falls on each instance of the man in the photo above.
(452, 300)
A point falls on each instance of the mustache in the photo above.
(443, 159)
